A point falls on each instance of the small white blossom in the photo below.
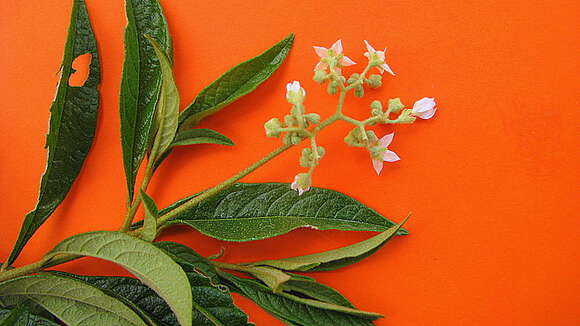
(301, 183)
(295, 93)
(386, 155)
(371, 52)
(334, 51)
(424, 108)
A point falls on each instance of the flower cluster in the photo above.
(298, 125)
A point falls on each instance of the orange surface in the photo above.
(492, 180)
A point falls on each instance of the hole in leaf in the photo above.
(80, 70)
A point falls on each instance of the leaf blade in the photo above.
(334, 259)
(200, 136)
(57, 294)
(235, 83)
(149, 231)
(72, 126)
(150, 264)
(141, 81)
(263, 210)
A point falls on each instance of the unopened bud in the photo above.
(332, 87)
(359, 91)
(272, 127)
(312, 118)
(354, 138)
(353, 78)
(306, 159)
(320, 76)
(321, 151)
(406, 117)
(375, 81)
(376, 108)
(395, 105)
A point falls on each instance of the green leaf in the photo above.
(72, 301)
(235, 83)
(188, 259)
(73, 121)
(20, 316)
(212, 304)
(255, 211)
(200, 136)
(141, 81)
(315, 290)
(149, 231)
(167, 111)
(296, 310)
(334, 259)
(150, 264)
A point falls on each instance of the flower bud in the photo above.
(320, 76)
(376, 108)
(312, 118)
(375, 81)
(306, 159)
(354, 138)
(359, 91)
(353, 78)
(321, 151)
(290, 121)
(395, 105)
(272, 127)
(332, 87)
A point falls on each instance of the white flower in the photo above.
(424, 108)
(386, 155)
(380, 55)
(294, 93)
(334, 51)
(301, 183)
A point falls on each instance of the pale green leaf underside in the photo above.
(235, 83)
(334, 259)
(149, 231)
(150, 264)
(200, 136)
(73, 119)
(141, 81)
(247, 212)
(72, 301)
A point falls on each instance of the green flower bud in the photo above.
(353, 78)
(272, 127)
(312, 118)
(321, 151)
(320, 76)
(354, 138)
(376, 108)
(295, 139)
(406, 117)
(289, 121)
(375, 81)
(372, 136)
(395, 105)
(332, 87)
(306, 159)
(359, 91)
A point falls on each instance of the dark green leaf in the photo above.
(22, 316)
(236, 82)
(167, 110)
(72, 301)
(188, 259)
(200, 136)
(293, 309)
(141, 81)
(149, 231)
(150, 264)
(72, 126)
(334, 259)
(315, 290)
(247, 212)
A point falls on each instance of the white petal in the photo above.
(378, 166)
(423, 105)
(390, 156)
(300, 191)
(427, 114)
(369, 47)
(387, 68)
(386, 140)
(346, 61)
(303, 91)
(337, 47)
(321, 66)
(320, 51)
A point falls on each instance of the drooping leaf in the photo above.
(167, 111)
(247, 212)
(212, 305)
(149, 231)
(315, 290)
(188, 259)
(334, 259)
(200, 136)
(150, 264)
(296, 310)
(235, 83)
(192, 137)
(141, 81)
(72, 301)
(73, 118)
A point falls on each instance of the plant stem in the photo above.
(135, 206)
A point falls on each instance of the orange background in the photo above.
(492, 180)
